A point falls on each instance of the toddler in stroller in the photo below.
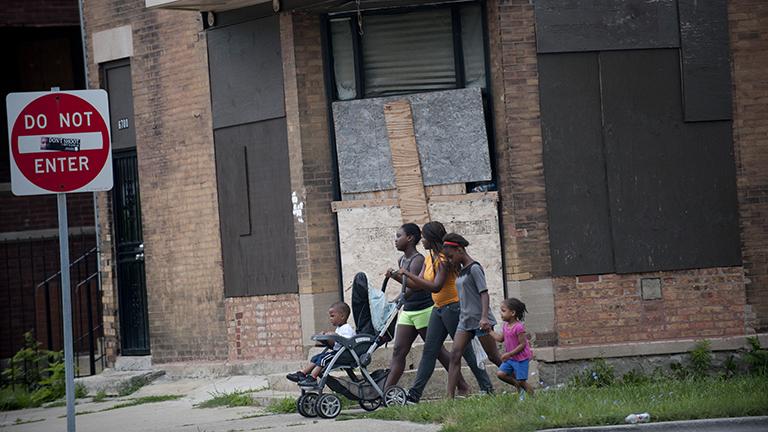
(354, 353)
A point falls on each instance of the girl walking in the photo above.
(514, 366)
(475, 318)
(414, 317)
(438, 278)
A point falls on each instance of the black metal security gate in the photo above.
(129, 248)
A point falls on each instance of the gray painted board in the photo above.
(574, 165)
(255, 209)
(450, 134)
(246, 72)
(588, 25)
(706, 64)
(672, 185)
(118, 85)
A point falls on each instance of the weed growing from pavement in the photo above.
(578, 406)
(21, 421)
(131, 387)
(222, 399)
(282, 406)
(143, 400)
(100, 396)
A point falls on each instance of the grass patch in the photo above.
(21, 422)
(13, 399)
(143, 400)
(100, 396)
(131, 387)
(282, 406)
(576, 407)
(234, 399)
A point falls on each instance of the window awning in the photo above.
(324, 6)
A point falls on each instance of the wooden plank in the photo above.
(476, 196)
(589, 25)
(405, 162)
(236, 54)
(254, 208)
(447, 189)
(373, 195)
(574, 166)
(339, 205)
(672, 185)
(705, 54)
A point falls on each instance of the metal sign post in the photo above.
(66, 305)
(59, 143)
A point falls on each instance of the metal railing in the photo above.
(36, 307)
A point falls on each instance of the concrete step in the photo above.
(436, 388)
(225, 369)
(265, 398)
(113, 382)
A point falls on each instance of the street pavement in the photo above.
(742, 424)
(181, 415)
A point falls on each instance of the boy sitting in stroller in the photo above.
(338, 314)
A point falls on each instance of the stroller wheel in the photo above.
(305, 404)
(370, 405)
(328, 406)
(395, 396)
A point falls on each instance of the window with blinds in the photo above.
(410, 52)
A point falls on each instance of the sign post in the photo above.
(60, 143)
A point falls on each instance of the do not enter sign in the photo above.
(59, 142)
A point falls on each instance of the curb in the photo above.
(689, 425)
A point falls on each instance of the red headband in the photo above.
(450, 243)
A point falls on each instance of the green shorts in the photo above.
(418, 319)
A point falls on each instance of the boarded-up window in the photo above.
(631, 187)
(252, 167)
(409, 52)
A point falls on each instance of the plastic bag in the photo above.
(480, 354)
(381, 309)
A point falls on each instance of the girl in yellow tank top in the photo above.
(437, 278)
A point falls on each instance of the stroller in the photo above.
(355, 353)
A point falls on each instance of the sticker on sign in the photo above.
(59, 142)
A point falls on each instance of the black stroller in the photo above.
(356, 353)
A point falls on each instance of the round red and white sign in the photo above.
(59, 142)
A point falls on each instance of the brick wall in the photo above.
(520, 167)
(24, 264)
(748, 20)
(318, 251)
(39, 13)
(108, 283)
(264, 327)
(177, 177)
(604, 309)
(40, 212)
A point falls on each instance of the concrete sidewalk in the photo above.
(739, 424)
(181, 415)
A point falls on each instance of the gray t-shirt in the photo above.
(470, 283)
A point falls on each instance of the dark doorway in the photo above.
(126, 201)
(129, 249)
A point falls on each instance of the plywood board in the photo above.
(574, 165)
(589, 25)
(705, 60)
(450, 134)
(672, 185)
(367, 236)
(405, 162)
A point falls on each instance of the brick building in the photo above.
(43, 50)
(626, 172)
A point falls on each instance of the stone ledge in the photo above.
(557, 354)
